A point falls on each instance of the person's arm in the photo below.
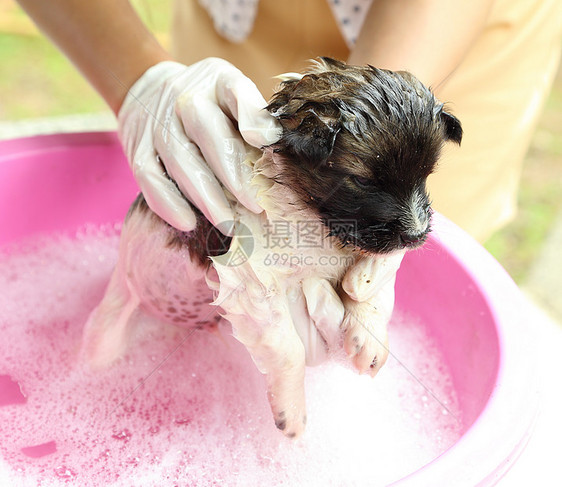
(174, 121)
(429, 38)
(104, 39)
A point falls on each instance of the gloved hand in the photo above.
(317, 313)
(192, 123)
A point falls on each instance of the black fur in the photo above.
(358, 144)
(203, 242)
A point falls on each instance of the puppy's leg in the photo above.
(365, 330)
(285, 370)
(278, 352)
(105, 333)
(368, 298)
(258, 306)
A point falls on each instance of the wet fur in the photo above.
(358, 144)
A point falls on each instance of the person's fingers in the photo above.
(186, 166)
(221, 146)
(324, 308)
(313, 342)
(171, 100)
(370, 274)
(240, 97)
(161, 195)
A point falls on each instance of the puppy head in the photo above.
(357, 147)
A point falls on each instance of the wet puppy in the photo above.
(344, 196)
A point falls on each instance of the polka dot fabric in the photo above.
(350, 15)
(234, 19)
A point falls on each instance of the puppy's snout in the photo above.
(416, 224)
(412, 239)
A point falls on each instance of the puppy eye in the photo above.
(362, 182)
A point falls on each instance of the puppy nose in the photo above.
(411, 239)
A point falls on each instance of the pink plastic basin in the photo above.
(469, 303)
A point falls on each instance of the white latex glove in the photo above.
(317, 313)
(181, 120)
(370, 275)
(317, 310)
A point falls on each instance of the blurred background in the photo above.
(41, 92)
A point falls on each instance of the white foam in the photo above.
(190, 408)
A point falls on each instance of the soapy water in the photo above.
(186, 407)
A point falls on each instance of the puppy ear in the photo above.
(452, 125)
(309, 136)
(289, 77)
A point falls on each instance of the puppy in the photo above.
(357, 146)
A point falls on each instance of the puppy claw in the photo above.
(376, 365)
(293, 429)
(293, 425)
(280, 421)
(365, 343)
(353, 344)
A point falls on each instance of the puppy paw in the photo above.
(287, 397)
(105, 336)
(106, 332)
(291, 421)
(279, 353)
(287, 400)
(365, 338)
